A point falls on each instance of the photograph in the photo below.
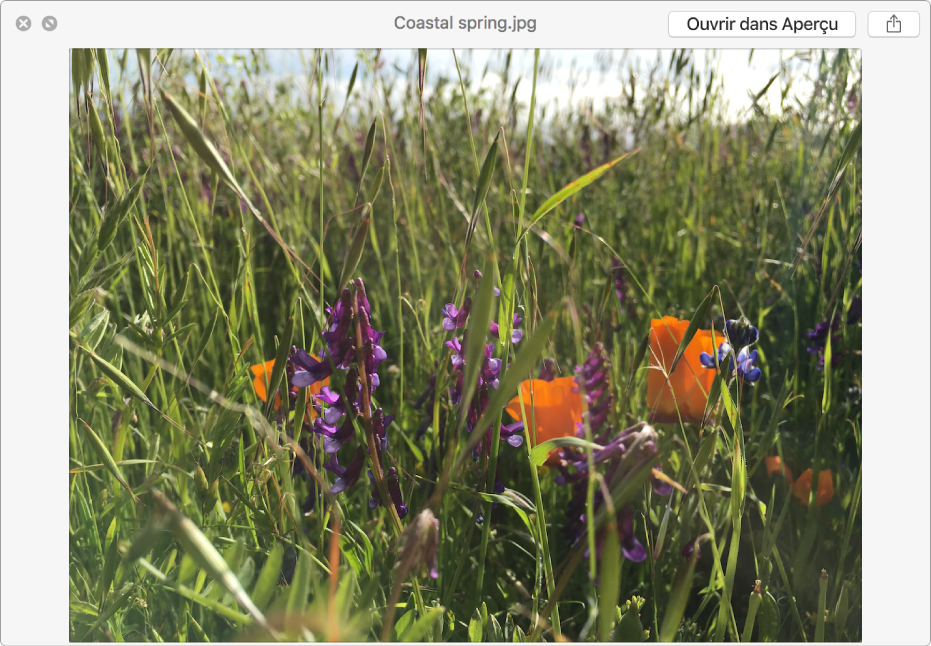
(466, 345)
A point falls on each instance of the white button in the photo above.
(759, 24)
(893, 24)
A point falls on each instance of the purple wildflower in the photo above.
(348, 476)
(745, 365)
(819, 340)
(724, 349)
(692, 549)
(516, 335)
(394, 490)
(548, 369)
(454, 318)
(740, 334)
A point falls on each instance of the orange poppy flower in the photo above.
(688, 387)
(557, 409)
(802, 487)
(263, 371)
(774, 465)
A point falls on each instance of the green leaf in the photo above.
(352, 82)
(629, 628)
(77, 72)
(530, 351)
(367, 153)
(300, 584)
(475, 627)
(202, 93)
(708, 444)
(840, 613)
(507, 304)
(110, 562)
(609, 588)
(402, 624)
(104, 274)
(120, 379)
(690, 331)
(205, 554)
(204, 148)
(97, 135)
(379, 179)
(769, 619)
(678, 600)
(280, 367)
(828, 360)
(475, 343)
(188, 593)
(103, 453)
(495, 633)
(574, 187)
(121, 598)
(638, 358)
(354, 253)
(822, 606)
(541, 451)
(423, 625)
(205, 338)
(484, 177)
(93, 332)
(754, 604)
(118, 212)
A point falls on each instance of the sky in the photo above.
(570, 77)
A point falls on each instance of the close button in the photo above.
(893, 24)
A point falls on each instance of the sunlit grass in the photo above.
(217, 207)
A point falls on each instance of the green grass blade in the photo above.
(574, 187)
(104, 454)
(610, 583)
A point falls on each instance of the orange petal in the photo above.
(263, 372)
(688, 387)
(802, 487)
(774, 465)
(260, 371)
(825, 487)
(557, 408)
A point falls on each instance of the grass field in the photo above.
(225, 213)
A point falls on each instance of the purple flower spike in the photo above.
(362, 302)
(394, 490)
(380, 424)
(740, 333)
(618, 270)
(455, 318)
(456, 347)
(351, 473)
(692, 549)
(549, 369)
(630, 546)
(708, 361)
(745, 366)
(579, 220)
(513, 433)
